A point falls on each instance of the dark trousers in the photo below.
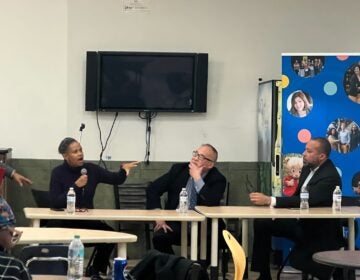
(264, 229)
(163, 241)
(103, 250)
(301, 258)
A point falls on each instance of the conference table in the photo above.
(339, 258)
(53, 277)
(192, 217)
(349, 260)
(252, 212)
(35, 235)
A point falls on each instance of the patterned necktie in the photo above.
(192, 196)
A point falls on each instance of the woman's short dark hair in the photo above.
(64, 144)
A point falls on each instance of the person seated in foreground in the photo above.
(84, 178)
(12, 268)
(205, 186)
(17, 177)
(310, 235)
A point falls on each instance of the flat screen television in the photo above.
(146, 81)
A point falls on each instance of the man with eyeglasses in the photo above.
(204, 183)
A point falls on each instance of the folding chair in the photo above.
(45, 259)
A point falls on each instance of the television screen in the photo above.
(143, 81)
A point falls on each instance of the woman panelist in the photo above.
(84, 178)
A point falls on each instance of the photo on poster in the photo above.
(299, 104)
(352, 82)
(355, 183)
(292, 165)
(343, 135)
(307, 66)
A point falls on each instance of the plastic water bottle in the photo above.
(304, 198)
(75, 259)
(70, 201)
(183, 201)
(336, 204)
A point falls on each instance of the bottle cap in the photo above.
(76, 236)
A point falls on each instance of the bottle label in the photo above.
(304, 195)
(71, 198)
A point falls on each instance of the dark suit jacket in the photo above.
(176, 178)
(317, 234)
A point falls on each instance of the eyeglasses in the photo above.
(200, 156)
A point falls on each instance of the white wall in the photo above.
(33, 73)
(42, 70)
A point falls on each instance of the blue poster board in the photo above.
(321, 98)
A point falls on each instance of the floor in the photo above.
(287, 274)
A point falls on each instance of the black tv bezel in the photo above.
(93, 76)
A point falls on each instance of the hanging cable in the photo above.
(148, 116)
(104, 146)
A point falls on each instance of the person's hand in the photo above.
(162, 225)
(82, 181)
(195, 171)
(128, 166)
(20, 179)
(260, 198)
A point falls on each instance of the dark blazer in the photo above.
(176, 178)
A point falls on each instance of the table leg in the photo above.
(203, 240)
(194, 240)
(184, 239)
(121, 250)
(245, 243)
(351, 239)
(35, 223)
(244, 235)
(214, 270)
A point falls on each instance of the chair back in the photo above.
(237, 253)
(133, 196)
(225, 199)
(130, 196)
(45, 259)
(42, 198)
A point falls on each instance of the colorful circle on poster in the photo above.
(284, 81)
(330, 88)
(342, 57)
(304, 135)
